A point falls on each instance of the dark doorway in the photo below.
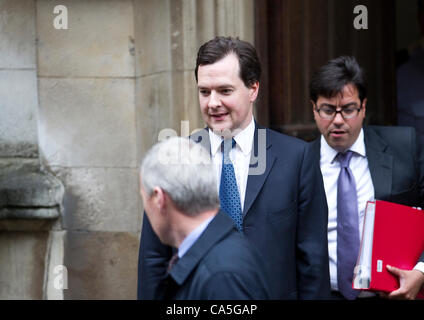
(295, 37)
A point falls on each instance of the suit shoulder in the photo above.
(285, 140)
(389, 131)
(233, 269)
(231, 252)
(393, 135)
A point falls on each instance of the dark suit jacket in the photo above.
(220, 265)
(284, 216)
(396, 163)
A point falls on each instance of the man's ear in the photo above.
(364, 104)
(158, 196)
(254, 91)
(314, 109)
(313, 105)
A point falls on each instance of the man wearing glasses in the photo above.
(359, 164)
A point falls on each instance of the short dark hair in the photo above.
(219, 47)
(332, 77)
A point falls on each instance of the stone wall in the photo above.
(87, 134)
(18, 80)
(92, 99)
(29, 198)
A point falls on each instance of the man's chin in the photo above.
(226, 129)
(339, 145)
(221, 128)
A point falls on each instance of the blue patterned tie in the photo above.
(228, 192)
(347, 227)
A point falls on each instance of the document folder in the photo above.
(393, 234)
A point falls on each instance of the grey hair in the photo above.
(183, 170)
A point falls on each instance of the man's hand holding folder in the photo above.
(392, 244)
(411, 281)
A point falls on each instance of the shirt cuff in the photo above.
(420, 267)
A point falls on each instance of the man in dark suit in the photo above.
(359, 164)
(269, 183)
(213, 261)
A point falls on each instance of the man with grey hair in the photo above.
(212, 260)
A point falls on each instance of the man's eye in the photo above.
(204, 92)
(349, 111)
(328, 111)
(226, 91)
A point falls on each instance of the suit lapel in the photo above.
(380, 163)
(255, 181)
(315, 149)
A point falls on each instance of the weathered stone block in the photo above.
(152, 37)
(184, 29)
(101, 199)
(30, 213)
(99, 40)
(101, 265)
(17, 41)
(235, 18)
(186, 101)
(155, 110)
(87, 122)
(22, 264)
(56, 276)
(30, 225)
(30, 189)
(18, 113)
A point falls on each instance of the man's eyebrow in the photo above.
(327, 105)
(343, 106)
(224, 86)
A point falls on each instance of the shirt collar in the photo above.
(328, 154)
(359, 146)
(243, 139)
(192, 237)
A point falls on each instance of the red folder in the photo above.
(397, 240)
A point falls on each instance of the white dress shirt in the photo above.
(239, 155)
(330, 169)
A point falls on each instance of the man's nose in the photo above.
(338, 119)
(214, 100)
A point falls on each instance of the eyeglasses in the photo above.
(329, 113)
